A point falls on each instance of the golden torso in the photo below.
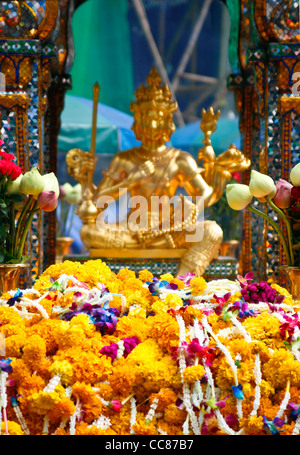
(172, 168)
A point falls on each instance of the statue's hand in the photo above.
(145, 170)
(232, 160)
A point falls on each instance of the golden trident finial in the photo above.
(209, 124)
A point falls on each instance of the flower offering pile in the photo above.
(90, 352)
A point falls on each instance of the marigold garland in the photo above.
(88, 351)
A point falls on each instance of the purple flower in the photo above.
(271, 426)
(5, 365)
(243, 310)
(295, 410)
(156, 285)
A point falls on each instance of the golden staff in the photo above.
(96, 91)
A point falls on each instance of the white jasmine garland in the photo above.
(121, 349)
(152, 410)
(74, 417)
(258, 378)
(102, 423)
(132, 414)
(284, 402)
(54, 382)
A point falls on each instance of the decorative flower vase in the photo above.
(62, 247)
(228, 248)
(9, 276)
(293, 276)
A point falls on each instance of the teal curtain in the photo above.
(103, 53)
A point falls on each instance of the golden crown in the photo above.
(154, 95)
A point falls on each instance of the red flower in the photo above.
(10, 169)
(295, 194)
(237, 176)
(202, 352)
(6, 156)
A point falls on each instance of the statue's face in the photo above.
(153, 125)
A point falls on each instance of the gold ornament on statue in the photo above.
(167, 224)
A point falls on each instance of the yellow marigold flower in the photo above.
(14, 344)
(281, 368)
(83, 321)
(14, 429)
(140, 299)
(253, 425)
(145, 275)
(45, 329)
(34, 352)
(123, 378)
(264, 327)
(170, 301)
(9, 315)
(55, 271)
(235, 297)
(167, 277)
(266, 389)
(288, 297)
(138, 311)
(64, 369)
(193, 373)
(153, 368)
(133, 325)
(42, 402)
(125, 274)
(178, 282)
(87, 366)
(198, 285)
(164, 328)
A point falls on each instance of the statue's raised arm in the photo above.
(218, 170)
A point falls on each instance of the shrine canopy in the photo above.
(113, 127)
(190, 136)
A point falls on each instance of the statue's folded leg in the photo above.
(104, 236)
(200, 254)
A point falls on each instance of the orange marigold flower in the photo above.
(174, 415)
(144, 428)
(34, 352)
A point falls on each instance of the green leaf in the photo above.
(17, 198)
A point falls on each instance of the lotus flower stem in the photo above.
(288, 226)
(276, 227)
(25, 230)
(21, 222)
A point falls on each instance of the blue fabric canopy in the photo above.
(113, 127)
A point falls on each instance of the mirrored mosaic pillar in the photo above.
(35, 52)
(264, 48)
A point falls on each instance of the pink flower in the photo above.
(47, 201)
(283, 194)
(115, 405)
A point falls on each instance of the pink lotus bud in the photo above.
(47, 201)
(283, 194)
